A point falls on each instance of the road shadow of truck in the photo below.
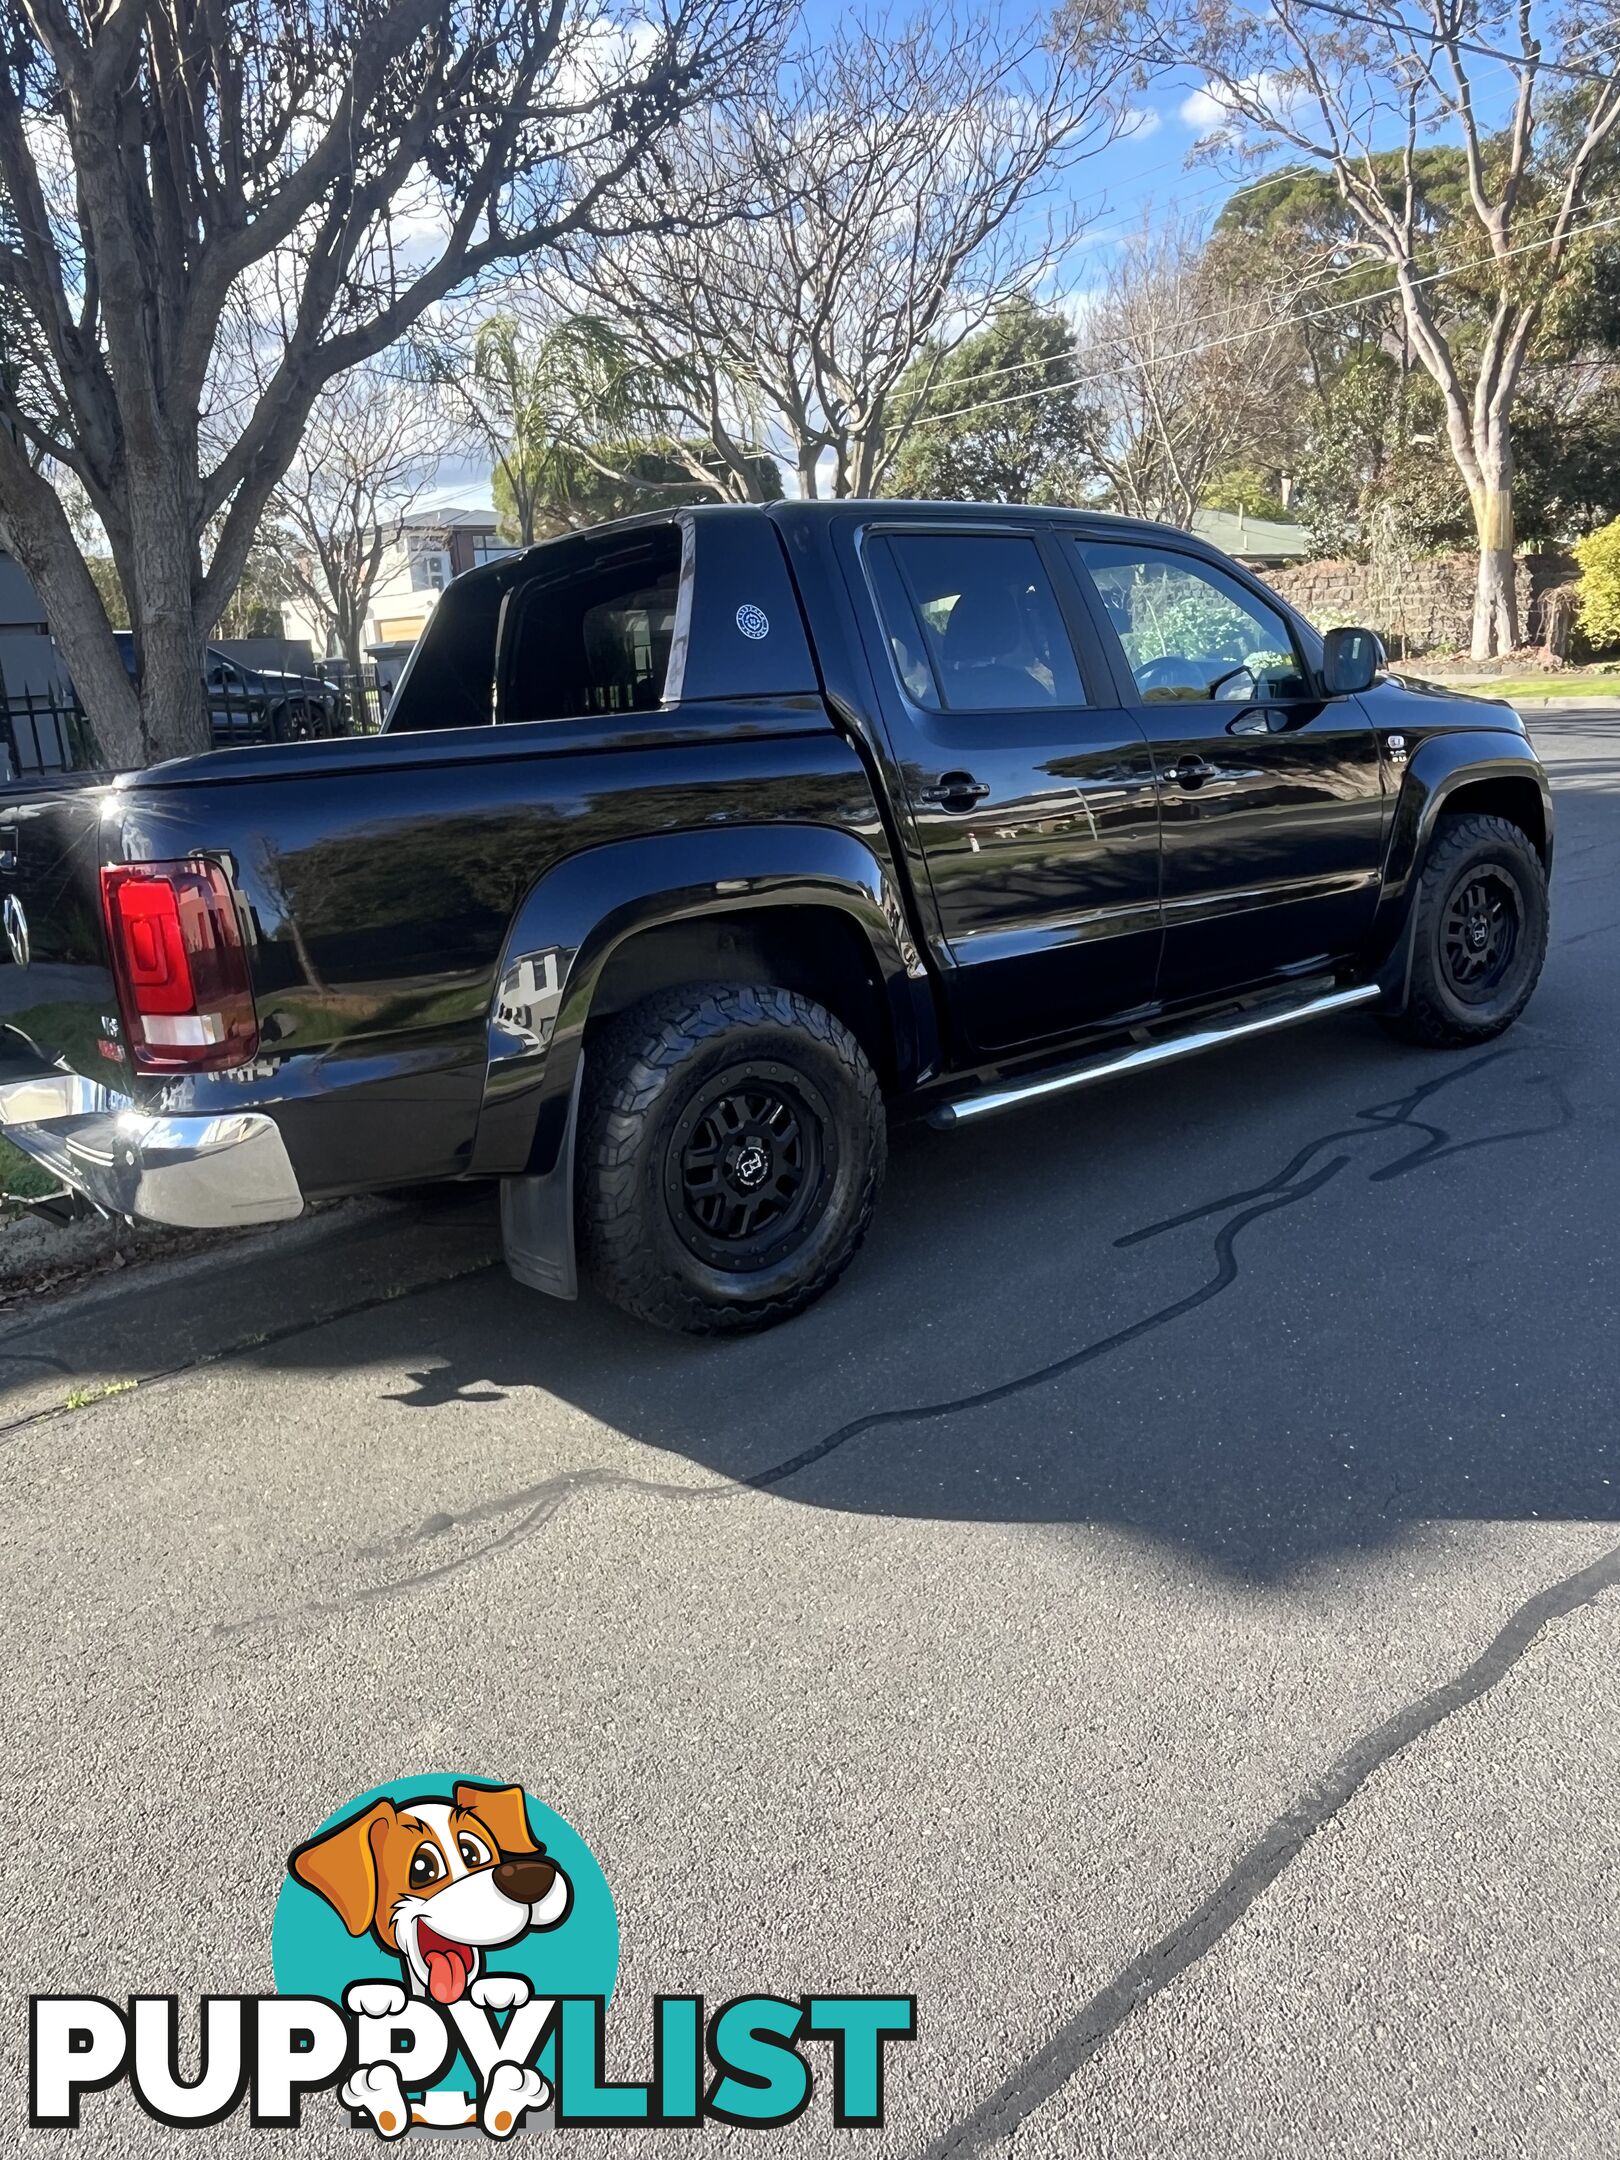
(1264, 1371)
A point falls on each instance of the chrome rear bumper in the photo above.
(200, 1172)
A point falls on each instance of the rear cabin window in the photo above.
(589, 641)
(575, 630)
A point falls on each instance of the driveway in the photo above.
(1163, 1610)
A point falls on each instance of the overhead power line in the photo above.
(1395, 26)
(1247, 337)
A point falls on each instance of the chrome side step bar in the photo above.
(1110, 1062)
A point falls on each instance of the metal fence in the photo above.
(42, 732)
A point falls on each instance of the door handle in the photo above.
(1192, 772)
(956, 791)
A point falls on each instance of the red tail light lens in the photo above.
(179, 963)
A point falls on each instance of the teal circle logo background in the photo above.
(313, 1953)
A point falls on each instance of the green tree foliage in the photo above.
(1374, 475)
(541, 393)
(1362, 427)
(620, 480)
(1599, 594)
(1569, 464)
(1246, 489)
(1002, 418)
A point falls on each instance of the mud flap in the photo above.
(1394, 978)
(537, 1215)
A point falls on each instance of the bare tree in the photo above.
(1358, 97)
(1181, 365)
(329, 171)
(368, 451)
(890, 189)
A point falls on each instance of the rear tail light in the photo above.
(179, 963)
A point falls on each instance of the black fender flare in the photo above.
(578, 914)
(1438, 768)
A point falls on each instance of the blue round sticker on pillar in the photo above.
(753, 621)
(460, 1895)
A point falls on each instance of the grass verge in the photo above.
(20, 1174)
(1533, 686)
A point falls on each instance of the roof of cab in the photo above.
(797, 511)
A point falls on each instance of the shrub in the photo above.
(1599, 585)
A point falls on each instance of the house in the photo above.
(432, 547)
(29, 662)
(1259, 543)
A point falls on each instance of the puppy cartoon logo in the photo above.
(444, 1953)
(471, 1897)
(438, 1882)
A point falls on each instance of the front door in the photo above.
(1271, 796)
(1031, 796)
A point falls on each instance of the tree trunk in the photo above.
(165, 573)
(1495, 597)
(174, 708)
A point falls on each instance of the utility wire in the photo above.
(1266, 330)
(1396, 27)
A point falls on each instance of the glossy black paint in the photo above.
(1044, 885)
(432, 913)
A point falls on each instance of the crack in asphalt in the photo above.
(1579, 937)
(1088, 2031)
(260, 1339)
(1380, 1118)
(541, 1501)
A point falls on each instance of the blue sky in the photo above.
(1143, 175)
(1147, 174)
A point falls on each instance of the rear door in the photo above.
(1030, 793)
(1271, 796)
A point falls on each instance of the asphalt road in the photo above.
(1162, 1610)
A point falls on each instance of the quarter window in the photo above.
(972, 622)
(1189, 631)
(595, 640)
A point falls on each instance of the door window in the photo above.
(972, 622)
(1190, 631)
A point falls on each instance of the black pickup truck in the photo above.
(699, 845)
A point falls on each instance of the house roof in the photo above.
(451, 519)
(1252, 539)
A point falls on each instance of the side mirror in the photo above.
(1350, 660)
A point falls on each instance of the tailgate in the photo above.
(56, 989)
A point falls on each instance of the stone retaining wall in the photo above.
(1416, 607)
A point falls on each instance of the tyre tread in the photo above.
(634, 1061)
(1425, 1018)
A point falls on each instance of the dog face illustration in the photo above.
(438, 1881)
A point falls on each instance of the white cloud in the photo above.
(1141, 122)
(604, 55)
(1203, 110)
(1210, 111)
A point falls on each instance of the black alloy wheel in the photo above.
(730, 1151)
(1480, 932)
(746, 1166)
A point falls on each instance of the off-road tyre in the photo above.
(1479, 937)
(780, 1095)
